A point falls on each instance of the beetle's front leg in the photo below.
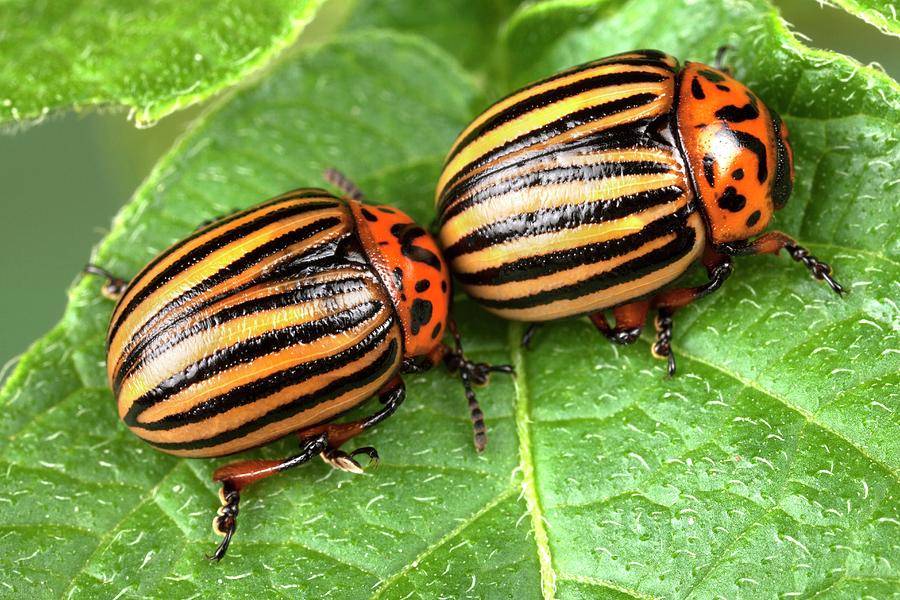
(773, 242)
(320, 440)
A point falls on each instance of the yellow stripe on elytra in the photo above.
(537, 198)
(540, 117)
(613, 295)
(556, 241)
(557, 82)
(193, 349)
(195, 274)
(654, 108)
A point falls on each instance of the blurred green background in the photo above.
(63, 181)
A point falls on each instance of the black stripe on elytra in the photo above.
(372, 372)
(491, 186)
(255, 256)
(555, 128)
(252, 349)
(651, 58)
(554, 95)
(209, 247)
(178, 330)
(540, 265)
(313, 260)
(752, 143)
(505, 176)
(737, 114)
(632, 270)
(560, 218)
(225, 220)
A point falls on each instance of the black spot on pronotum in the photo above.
(754, 145)
(368, 215)
(737, 114)
(406, 234)
(724, 88)
(422, 285)
(386, 209)
(421, 314)
(731, 201)
(753, 219)
(697, 89)
(444, 286)
(398, 278)
(738, 174)
(711, 76)
(436, 330)
(709, 162)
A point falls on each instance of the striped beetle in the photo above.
(595, 188)
(275, 320)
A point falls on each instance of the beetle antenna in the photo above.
(344, 183)
(470, 372)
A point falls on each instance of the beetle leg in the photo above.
(345, 184)
(529, 334)
(630, 320)
(719, 268)
(773, 242)
(392, 395)
(114, 286)
(236, 476)
(322, 440)
(663, 346)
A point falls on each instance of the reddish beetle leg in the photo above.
(320, 440)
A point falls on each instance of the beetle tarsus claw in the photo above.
(663, 347)
(225, 521)
(819, 269)
(346, 462)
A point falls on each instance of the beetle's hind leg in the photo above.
(320, 440)
(236, 476)
(114, 286)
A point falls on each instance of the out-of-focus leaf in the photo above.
(152, 57)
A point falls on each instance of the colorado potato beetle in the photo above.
(595, 188)
(275, 320)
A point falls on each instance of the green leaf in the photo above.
(466, 29)
(767, 466)
(881, 14)
(152, 57)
